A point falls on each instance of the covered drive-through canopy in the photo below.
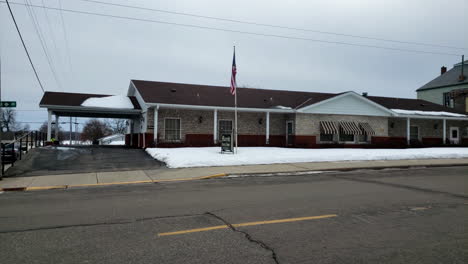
(88, 105)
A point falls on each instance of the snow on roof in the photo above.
(427, 113)
(282, 107)
(115, 101)
(112, 137)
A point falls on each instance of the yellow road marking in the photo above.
(287, 220)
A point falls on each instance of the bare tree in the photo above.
(8, 119)
(95, 129)
(118, 126)
(43, 129)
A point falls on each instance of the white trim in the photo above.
(267, 132)
(458, 135)
(94, 109)
(180, 129)
(222, 108)
(215, 126)
(432, 117)
(444, 132)
(155, 125)
(49, 125)
(351, 93)
(144, 106)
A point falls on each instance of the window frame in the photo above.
(327, 141)
(346, 141)
(180, 129)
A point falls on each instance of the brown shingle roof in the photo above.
(74, 99)
(410, 104)
(193, 94)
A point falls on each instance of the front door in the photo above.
(454, 135)
(289, 133)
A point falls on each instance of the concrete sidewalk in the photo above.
(165, 174)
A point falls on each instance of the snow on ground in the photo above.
(430, 113)
(115, 101)
(202, 157)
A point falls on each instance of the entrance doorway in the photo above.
(289, 133)
(454, 135)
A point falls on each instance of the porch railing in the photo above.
(15, 150)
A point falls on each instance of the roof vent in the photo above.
(443, 70)
(173, 90)
(364, 94)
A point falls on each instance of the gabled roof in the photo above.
(450, 78)
(74, 99)
(205, 95)
(219, 96)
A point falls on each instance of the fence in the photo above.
(13, 151)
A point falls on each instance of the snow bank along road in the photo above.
(202, 157)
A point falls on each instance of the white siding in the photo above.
(347, 105)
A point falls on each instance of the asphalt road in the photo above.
(387, 216)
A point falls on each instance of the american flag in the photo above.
(233, 75)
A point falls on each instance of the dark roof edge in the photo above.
(264, 89)
(443, 86)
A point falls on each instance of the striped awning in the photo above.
(350, 128)
(367, 129)
(328, 127)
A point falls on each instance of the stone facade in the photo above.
(197, 128)
(309, 124)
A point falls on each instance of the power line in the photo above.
(42, 40)
(67, 46)
(245, 32)
(24, 46)
(271, 25)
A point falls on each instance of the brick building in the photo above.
(175, 115)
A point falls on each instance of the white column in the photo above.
(49, 125)
(444, 132)
(155, 132)
(267, 128)
(408, 121)
(56, 126)
(215, 126)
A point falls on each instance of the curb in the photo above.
(274, 173)
(56, 187)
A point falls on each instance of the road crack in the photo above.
(262, 244)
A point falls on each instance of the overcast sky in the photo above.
(106, 53)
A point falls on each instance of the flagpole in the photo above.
(235, 109)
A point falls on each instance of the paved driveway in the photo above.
(82, 159)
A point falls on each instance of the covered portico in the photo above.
(70, 105)
(446, 128)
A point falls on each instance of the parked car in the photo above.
(10, 154)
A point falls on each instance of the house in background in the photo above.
(449, 89)
(117, 139)
(164, 114)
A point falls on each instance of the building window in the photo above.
(172, 129)
(414, 132)
(225, 127)
(346, 137)
(447, 99)
(326, 137)
(363, 138)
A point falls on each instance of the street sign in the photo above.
(7, 104)
(226, 143)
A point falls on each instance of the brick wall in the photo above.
(427, 128)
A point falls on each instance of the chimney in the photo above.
(443, 70)
(364, 94)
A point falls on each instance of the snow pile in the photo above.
(429, 113)
(202, 157)
(282, 107)
(115, 101)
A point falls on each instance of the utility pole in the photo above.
(1, 117)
